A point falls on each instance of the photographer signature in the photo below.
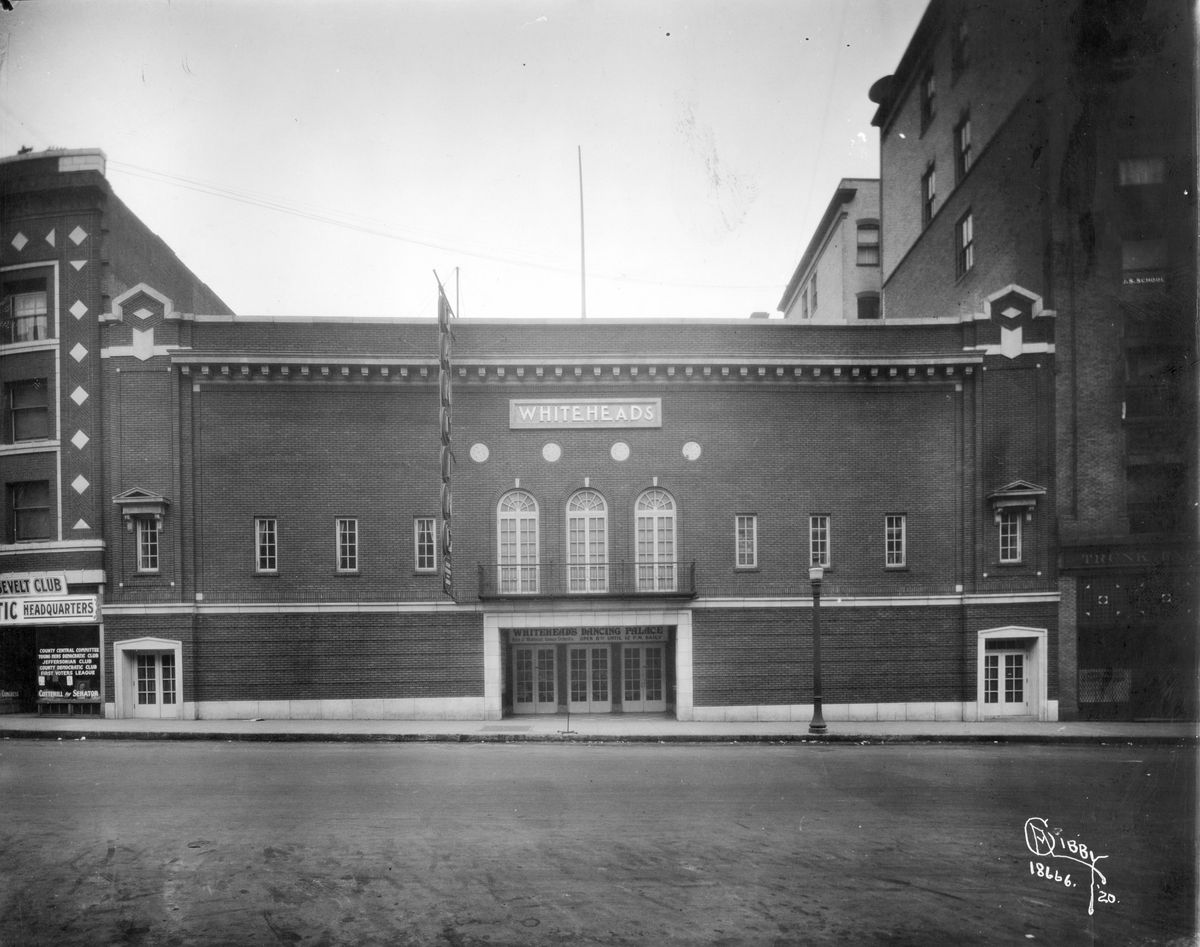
(1046, 843)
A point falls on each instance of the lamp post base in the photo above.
(817, 725)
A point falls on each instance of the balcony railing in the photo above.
(547, 579)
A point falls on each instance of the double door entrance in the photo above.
(589, 678)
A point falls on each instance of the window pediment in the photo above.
(137, 503)
(1020, 495)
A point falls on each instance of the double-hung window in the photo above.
(147, 543)
(746, 540)
(1010, 536)
(960, 52)
(868, 243)
(962, 147)
(26, 315)
(964, 236)
(28, 410)
(895, 528)
(818, 541)
(346, 530)
(928, 194)
(266, 544)
(29, 505)
(928, 99)
(425, 543)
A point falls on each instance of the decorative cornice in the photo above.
(216, 368)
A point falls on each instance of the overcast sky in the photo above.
(326, 158)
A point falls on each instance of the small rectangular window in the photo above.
(147, 544)
(928, 99)
(960, 54)
(804, 312)
(928, 194)
(746, 530)
(266, 540)
(425, 543)
(868, 244)
(813, 286)
(29, 504)
(895, 540)
(347, 545)
(1010, 536)
(818, 541)
(962, 147)
(868, 306)
(965, 238)
(28, 410)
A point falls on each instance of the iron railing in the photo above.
(553, 579)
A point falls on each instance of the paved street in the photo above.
(112, 842)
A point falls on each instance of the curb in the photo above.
(564, 738)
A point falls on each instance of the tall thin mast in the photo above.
(582, 254)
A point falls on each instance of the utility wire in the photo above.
(373, 227)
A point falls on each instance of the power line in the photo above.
(376, 228)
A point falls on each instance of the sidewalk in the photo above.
(628, 728)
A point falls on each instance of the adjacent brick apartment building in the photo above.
(1049, 148)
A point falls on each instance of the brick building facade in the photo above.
(234, 516)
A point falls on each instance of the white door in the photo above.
(590, 681)
(642, 684)
(156, 693)
(1005, 683)
(534, 673)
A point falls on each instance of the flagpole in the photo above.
(582, 255)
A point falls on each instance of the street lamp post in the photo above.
(815, 575)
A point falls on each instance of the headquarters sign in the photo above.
(40, 598)
(526, 413)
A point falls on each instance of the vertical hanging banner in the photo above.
(445, 337)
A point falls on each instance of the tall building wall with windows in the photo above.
(1079, 198)
(838, 276)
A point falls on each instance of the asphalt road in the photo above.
(300, 843)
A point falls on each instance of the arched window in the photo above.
(655, 531)
(517, 539)
(587, 542)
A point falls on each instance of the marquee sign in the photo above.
(547, 413)
(626, 634)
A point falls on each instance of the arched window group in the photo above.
(587, 564)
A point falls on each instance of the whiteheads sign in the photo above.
(526, 413)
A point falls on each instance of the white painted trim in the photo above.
(494, 622)
(945, 710)
(881, 601)
(29, 447)
(66, 545)
(118, 302)
(123, 653)
(290, 608)
(350, 708)
(1039, 663)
